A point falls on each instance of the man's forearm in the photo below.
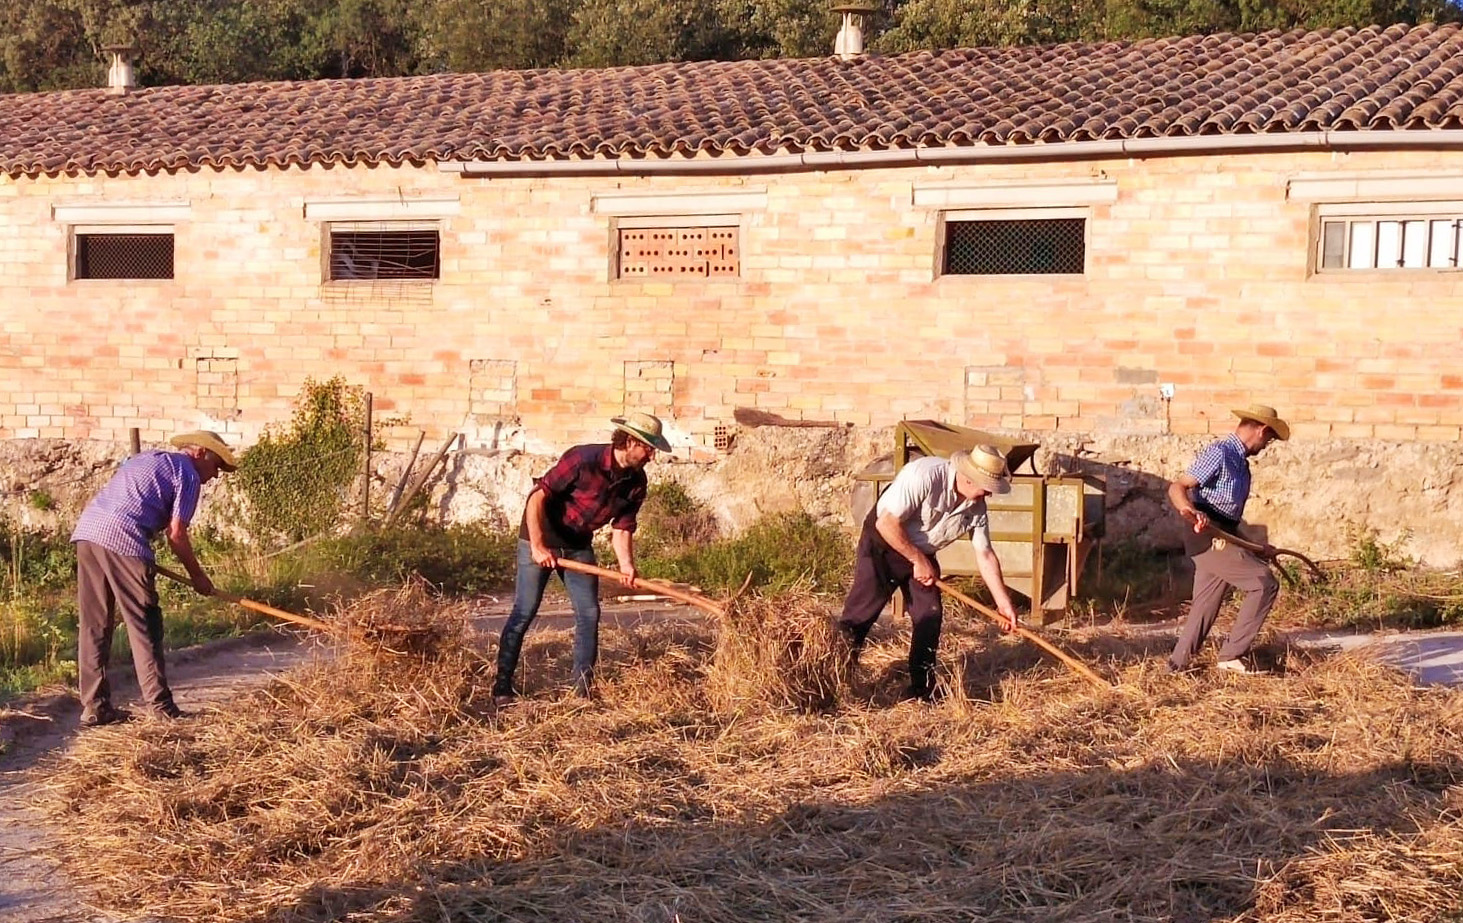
(892, 531)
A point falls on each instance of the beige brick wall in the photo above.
(1197, 276)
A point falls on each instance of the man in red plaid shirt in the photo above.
(589, 486)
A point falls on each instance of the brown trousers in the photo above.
(108, 585)
(1215, 571)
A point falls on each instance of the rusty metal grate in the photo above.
(372, 255)
(1023, 246)
(124, 256)
(679, 252)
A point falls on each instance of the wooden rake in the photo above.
(1072, 663)
(388, 637)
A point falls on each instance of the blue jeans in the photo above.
(528, 592)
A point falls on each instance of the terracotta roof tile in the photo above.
(1373, 79)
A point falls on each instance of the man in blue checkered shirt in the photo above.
(152, 493)
(1214, 491)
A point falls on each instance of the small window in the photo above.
(360, 254)
(666, 250)
(132, 253)
(1014, 246)
(1418, 241)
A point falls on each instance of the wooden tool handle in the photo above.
(1256, 547)
(256, 606)
(1076, 665)
(692, 599)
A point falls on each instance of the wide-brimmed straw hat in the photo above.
(1266, 415)
(210, 441)
(986, 466)
(644, 427)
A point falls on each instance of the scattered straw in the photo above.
(389, 790)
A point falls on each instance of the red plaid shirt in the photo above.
(583, 491)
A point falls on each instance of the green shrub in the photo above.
(778, 551)
(295, 479)
(454, 559)
(672, 522)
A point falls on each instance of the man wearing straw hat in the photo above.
(931, 503)
(589, 486)
(116, 573)
(1214, 491)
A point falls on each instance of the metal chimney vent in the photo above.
(121, 78)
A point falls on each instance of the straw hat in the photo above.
(1266, 415)
(986, 466)
(210, 441)
(644, 427)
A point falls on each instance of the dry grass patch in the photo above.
(391, 790)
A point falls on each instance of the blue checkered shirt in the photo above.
(150, 490)
(1223, 473)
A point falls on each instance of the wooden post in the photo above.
(366, 473)
(134, 440)
(405, 473)
(417, 485)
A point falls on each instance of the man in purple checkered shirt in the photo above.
(116, 573)
(590, 486)
(1214, 491)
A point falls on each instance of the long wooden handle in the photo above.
(1076, 665)
(1256, 547)
(256, 606)
(692, 599)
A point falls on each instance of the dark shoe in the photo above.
(168, 711)
(1173, 669)
(503, 698)
(924, 694)
(104, 714)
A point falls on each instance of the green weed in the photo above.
(777, 551)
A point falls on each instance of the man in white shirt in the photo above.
(931, 503)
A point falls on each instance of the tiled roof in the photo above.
(1370, 79)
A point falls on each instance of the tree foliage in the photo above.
(54, 44)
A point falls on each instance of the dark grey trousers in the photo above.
(1215, 571)
(109, 585)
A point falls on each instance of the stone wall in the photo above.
(1314, 496)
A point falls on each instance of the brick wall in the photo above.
(1197, 276)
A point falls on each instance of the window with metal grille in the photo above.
(1015, 246)
(1394, 241)
(692, 248)
(372, 253)
(136, 253)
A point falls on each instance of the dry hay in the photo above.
(404, 621)
(396, 792)
(778, 652)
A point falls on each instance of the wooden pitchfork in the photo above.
(375, 634)
(1317, 575)
(1073, 663)
(654, 586)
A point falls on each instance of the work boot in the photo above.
(168, 711)
(104, 714)
(1237, 666)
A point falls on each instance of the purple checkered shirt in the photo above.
(1223, 473)
(150, 490)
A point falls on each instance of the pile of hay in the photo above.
(394, 791)
(778, 652)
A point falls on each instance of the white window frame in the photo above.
(88, 217)
(1388, 221)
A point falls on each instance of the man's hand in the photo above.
(924, 571)
(543, 556)
(202, 585)
(1196, 517)
(628, 574)
(1008, 612)
(1268, 552)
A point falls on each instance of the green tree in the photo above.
(609, 33)
(778, 28)
(469, 35)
